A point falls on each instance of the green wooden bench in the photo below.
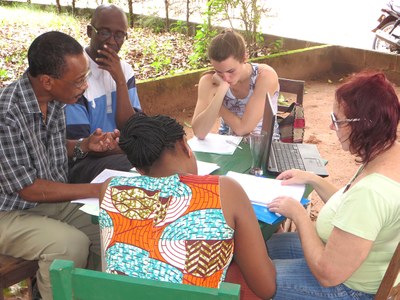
(69, 283)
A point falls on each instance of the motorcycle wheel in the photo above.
(382, 46)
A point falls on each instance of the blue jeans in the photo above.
(294, 278)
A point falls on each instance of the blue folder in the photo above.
(264, 215)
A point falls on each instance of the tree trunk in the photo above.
(166, 2)
(131, 17)
(73, 7)
(188, 15)
(58, 6)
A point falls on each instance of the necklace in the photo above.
(353, 178)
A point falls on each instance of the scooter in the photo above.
(387, 33)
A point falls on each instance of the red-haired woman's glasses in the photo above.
(336, 122)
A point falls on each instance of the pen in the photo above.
(233, 144)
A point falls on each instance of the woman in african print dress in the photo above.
(172, 225)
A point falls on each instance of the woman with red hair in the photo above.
(346, 255)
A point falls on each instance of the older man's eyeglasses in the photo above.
(78, 84)
(336, 122)
(104, 34)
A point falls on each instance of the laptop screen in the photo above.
(308, 153)
(268, 125)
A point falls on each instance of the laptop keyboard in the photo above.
(287, 156)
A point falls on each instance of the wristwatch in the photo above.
(78, 153)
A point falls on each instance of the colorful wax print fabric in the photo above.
(170, 229)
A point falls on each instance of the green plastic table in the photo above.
(239, 162)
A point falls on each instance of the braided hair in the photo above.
(144, 138)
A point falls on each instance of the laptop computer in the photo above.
(281, 156)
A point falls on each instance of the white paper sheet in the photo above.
(215, 143)
(107, 173)
(205, 168)
(262, 190)
(91, 209)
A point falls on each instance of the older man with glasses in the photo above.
(110, 99)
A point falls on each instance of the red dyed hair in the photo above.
(371, 97)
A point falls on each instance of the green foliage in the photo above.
(155, 23)
(161, 58)
(161, 63)
(201, 41)
(204, 33)
(179, 27)
(23, 23)
(276, 46)
(149, 53)
(43, 20)
(250, 13)
(220, 10)
(4, 74)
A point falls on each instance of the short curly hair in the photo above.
(46, 54)
(370, 96)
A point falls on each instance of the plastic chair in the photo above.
(69, 283)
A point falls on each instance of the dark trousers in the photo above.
(85, 170)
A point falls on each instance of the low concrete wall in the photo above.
(346, 60)
(302, 63)
(166, 94)
(163, 95)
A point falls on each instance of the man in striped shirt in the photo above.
(111, 98)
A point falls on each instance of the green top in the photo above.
(370, 210)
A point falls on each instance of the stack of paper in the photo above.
(262, 190)
(216, 143)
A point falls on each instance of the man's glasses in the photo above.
(78, 84)
(105, 34)
(336, 122)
